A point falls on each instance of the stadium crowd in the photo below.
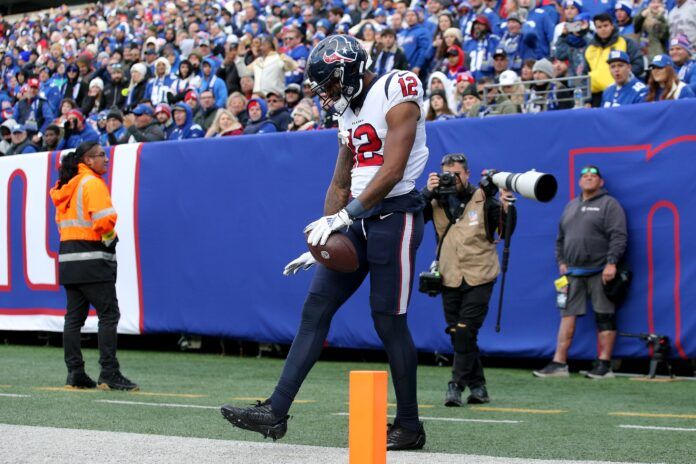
(149, 70)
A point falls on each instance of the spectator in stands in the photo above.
(185, 127)
(6, 135)
(258, 122)
(591, 242)
(270, 67)
(191, 99)
(302, 119)
(236, 104)
(682, 19)
(225, 124)
(160, 88)
(66, 105)
(232, 67)
(526, 73)
(623, 12)
(542, 22)
(547, 96)
(571, 9)
(389, 55)
(626, 89)
(137, 86)
(141, 126)
(293, 95)
(295, 49)
(471, 103)
(680, 51)
(607, 38)
(185, 81)
(415, 41)
(210, 82)
(114, 93)
(163, 115)
(76, 131)
(438, 81)
(500, 63)
(454, 62)
(114, 129)
(462, 82)
(571, 45)
(95, 101)
(503, 103)
(481, 47)
(75, 88)
(663, 83)
(205, 116)
(21, 143)
(277, 111)
(517, 41)
(438, 110)
(32, 109)
(651, 25)
(479, 8)
(51, 138)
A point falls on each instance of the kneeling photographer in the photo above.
(466, 220)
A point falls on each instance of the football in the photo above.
(338, 254)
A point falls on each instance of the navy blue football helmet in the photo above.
(335, 70)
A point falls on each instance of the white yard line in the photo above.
(60, 446)
(453, 419)
(14, 395)
(654, 427)
(161, 405)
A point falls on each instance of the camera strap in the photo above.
(442, 240)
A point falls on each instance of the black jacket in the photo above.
(150, 133)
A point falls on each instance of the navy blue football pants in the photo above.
(386, 247)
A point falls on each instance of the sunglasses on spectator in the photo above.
(449, 159)
(589, 171)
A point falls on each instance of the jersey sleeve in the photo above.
(402, 86)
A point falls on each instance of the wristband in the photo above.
(354, 208)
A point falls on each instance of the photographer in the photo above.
(466, 219)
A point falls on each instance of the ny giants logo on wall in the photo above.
(29, 241)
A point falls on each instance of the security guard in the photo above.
(465, 223)
(87, 263)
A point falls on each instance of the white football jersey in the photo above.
(366, 132)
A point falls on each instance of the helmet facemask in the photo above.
(338, 90)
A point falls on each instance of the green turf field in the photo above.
(551, 418)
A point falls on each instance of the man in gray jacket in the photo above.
(141, 126)
(591, 241)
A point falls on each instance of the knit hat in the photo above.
(163, 108)
(455, 32)
(544, 66)
(576, 3)
(78, 114)
(114, 114)
(140, 68)
(681, 40)
(97, 82)
(625, 6)
(471, 90)
(304, 111)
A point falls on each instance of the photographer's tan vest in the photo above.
(466, 252)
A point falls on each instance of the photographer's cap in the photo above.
(590, 169)
(618, 55)
(455, 158)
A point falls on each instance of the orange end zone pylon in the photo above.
(367, 424)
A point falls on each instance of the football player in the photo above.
(373, 200)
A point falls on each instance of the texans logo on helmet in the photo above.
(342, 50)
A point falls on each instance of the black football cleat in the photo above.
(258, 418)
(116, 381)
(479, 395)
(453, 397)
(400, 439)
(79, 380)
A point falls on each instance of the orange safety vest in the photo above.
(86, 219)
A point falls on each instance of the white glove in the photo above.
(322, 227)
(304, 262)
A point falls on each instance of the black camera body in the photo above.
(448, 184)
(430, 282)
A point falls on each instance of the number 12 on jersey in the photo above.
(409, 86)
(366, 147)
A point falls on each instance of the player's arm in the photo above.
(339, 190)
(402, 121)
